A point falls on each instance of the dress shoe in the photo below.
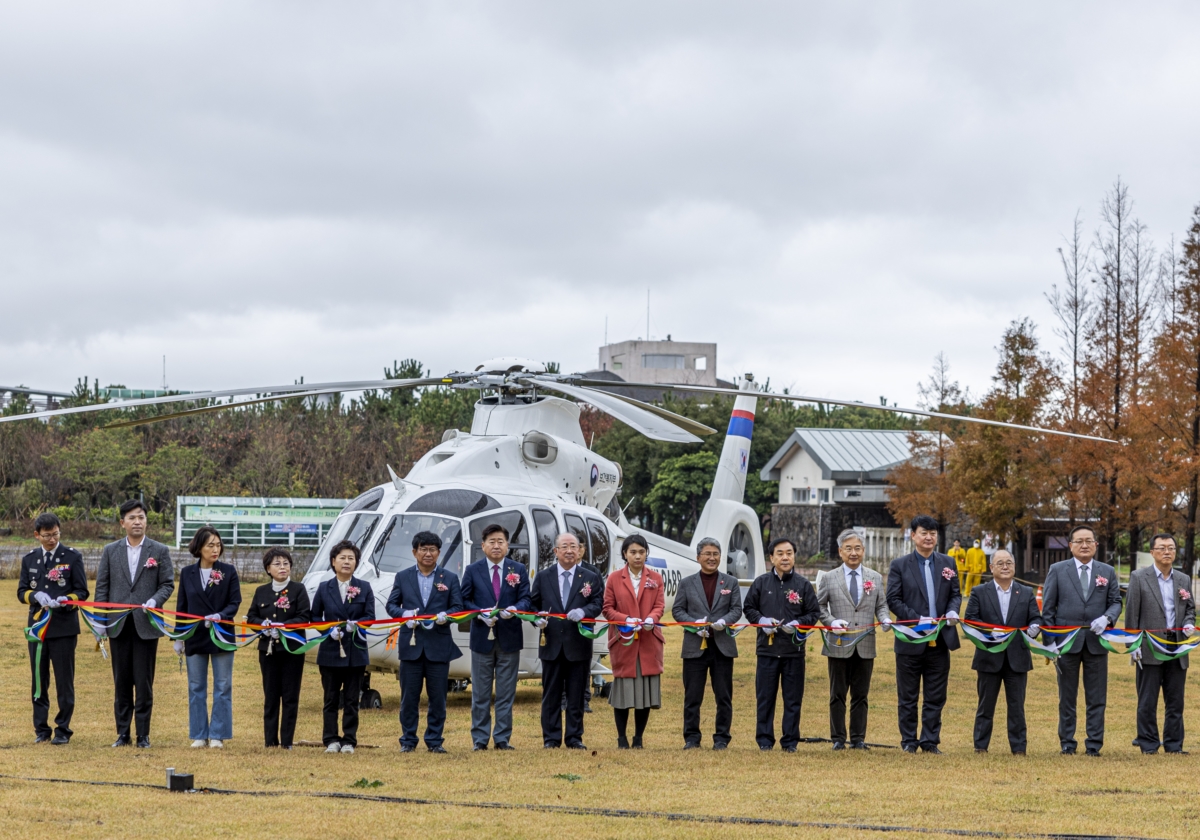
(1149, 752)
(932, 750)
(909, 748)
(143, 742)
(1068, 751)
(1168, 752)
(693, 746)
(122, 741)
(766, 747)
(587, 708)
(788, 749)
(406, 748)
(636, 743)
(720, 745)
(622, 742)
(439, 750)
(1093, 753)
(60, 740)
(41, 739)
(505, 746)
(550, 745)
(576, 747)
(480, 748)
(1018, 752)
(839, 745)
(860, 745)
(979, 751)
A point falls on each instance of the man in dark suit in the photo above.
(566, 654)
(135, 570)
(1160, 597)
(426, 648)
(51, 578)
(715, 598)
(923, 585)
(496, 640)
(1087, 593)
(1003, 603)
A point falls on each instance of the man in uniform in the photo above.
(51, 578)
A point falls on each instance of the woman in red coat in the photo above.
(633, 599)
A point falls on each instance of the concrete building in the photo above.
(662, 362)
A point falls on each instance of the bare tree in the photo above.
(1072, 306)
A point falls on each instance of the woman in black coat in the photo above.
(341, 657)
(211, 589)
(282, 601)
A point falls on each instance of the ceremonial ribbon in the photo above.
(37, 635)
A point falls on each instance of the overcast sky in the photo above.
(832, 192)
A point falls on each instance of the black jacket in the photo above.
(222, 597)
(327, 605)
(787, 598)
(984, 606)
(264, 604)
(561, 636)
(908, 600)
(66, 566)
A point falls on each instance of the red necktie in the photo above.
(496, 582)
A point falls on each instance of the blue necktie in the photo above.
(927, 564)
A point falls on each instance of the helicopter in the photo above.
(524, 464)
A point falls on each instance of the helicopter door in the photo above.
(545, 528)
(601, 547)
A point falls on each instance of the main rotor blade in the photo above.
(847, 403)
(630, 412)
(693, 426)
(314, 388)
(207, 409)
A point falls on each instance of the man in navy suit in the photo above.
(923, 585)
(496, 640)
(571, 589)
(426, 647)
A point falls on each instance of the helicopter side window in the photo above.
(575, 526)
(457, 503)
(518, 535)
(356, 527)
(367, 501)
(393, 553)
(546, 527)
(601, 549)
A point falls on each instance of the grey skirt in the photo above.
(635, 692)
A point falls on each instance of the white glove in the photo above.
(631, 622)
(792, 626)
(1136, 656)
(407, 614)
(542, 621)
(648, 623)
(149, 605)
(886, 622)
(178, 646)
(575, 615)
(1189, 629)
(44, 599)
(838, 626)
(441, 618)
(719, 624)
(702, 633)
(508, 612)
(209, 619)
(952, 618)
(336, 634)
(489, 620)
(62, 600)
(1034, 631)
(265, 623)
(1100, 624)
(351, 626)
(771, 623)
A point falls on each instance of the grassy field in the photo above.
(1122, 793)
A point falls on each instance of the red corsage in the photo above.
(1101, 581)
(949, 574)
(351, 591)
(726, 591)
(441, 587)
(650, 585)
(868, 586)
(585, 590)
(151, 563)
(282, 602)
(512, 579)
(793, 596)
(56, 575)
(1184, 595)
(215, 578)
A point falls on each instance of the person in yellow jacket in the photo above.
(960, 560)
(977, 564)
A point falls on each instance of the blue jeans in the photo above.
(500, 668)
(220, 726)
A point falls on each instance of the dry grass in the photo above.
(1121, 793)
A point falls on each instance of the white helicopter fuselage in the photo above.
(525, 465)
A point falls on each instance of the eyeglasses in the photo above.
(1165, 549)
(1083, 542)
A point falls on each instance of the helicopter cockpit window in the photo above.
(546, 527)
(393, 553)
(356, 527)
(575, 526)
(456, 503)
(518, 535)
(367, 501)
(601, 552)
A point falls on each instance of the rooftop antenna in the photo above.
(164, 371)
(647, 314)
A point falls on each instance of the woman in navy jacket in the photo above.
(211, 589)
(282, 601)
(341, 658)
